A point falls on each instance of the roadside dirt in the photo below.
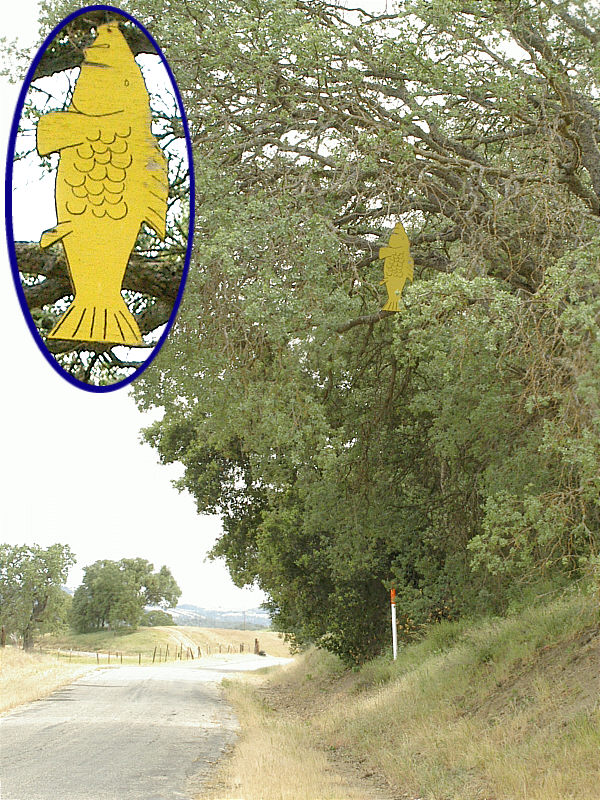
(321, 695)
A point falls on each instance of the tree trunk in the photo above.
(27, 639)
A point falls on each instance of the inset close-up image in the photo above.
(100, 203)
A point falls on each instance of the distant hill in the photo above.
(197, 616)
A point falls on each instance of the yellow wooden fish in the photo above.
(112, 177)
(397, 267)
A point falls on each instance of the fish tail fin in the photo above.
(56, 234)
(393, 304)
(107, 323)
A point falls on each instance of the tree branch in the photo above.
(368, 319)
(156, 277)
(575, 24)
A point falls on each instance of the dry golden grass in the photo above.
(144, 640)
(508, 712)
(499, 710)
(213, 638)
(276, 757)
(29, 676)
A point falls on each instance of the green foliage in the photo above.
(113, 594)
(451, 450)
(155, 617)
(31, 598)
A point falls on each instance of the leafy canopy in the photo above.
(451, 450)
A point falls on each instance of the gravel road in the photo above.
(123, 733)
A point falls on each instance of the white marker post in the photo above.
(394, 631)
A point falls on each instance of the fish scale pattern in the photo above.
(395, 265)
(97, 174)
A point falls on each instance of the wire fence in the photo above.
(161, 653)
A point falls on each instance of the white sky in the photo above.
(74, 470)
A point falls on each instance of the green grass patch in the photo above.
(489, 640)
(503, 708)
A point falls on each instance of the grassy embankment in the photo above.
(500, 709)
(28, 676)
(144, 640)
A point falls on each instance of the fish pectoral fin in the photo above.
(56, 234)
(60, 129)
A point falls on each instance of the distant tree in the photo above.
(156, 617)
(31, 598)
(114, 593)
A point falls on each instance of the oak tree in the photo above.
(31, 598)
(451, 450)
(114, 593)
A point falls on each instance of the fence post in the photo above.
(199, 653)
(97, 657)
(167, 653)
(139, 658)
(154, 654)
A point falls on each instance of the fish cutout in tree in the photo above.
(112, 177)
(398, 266)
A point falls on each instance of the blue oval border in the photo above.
(8, 205)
